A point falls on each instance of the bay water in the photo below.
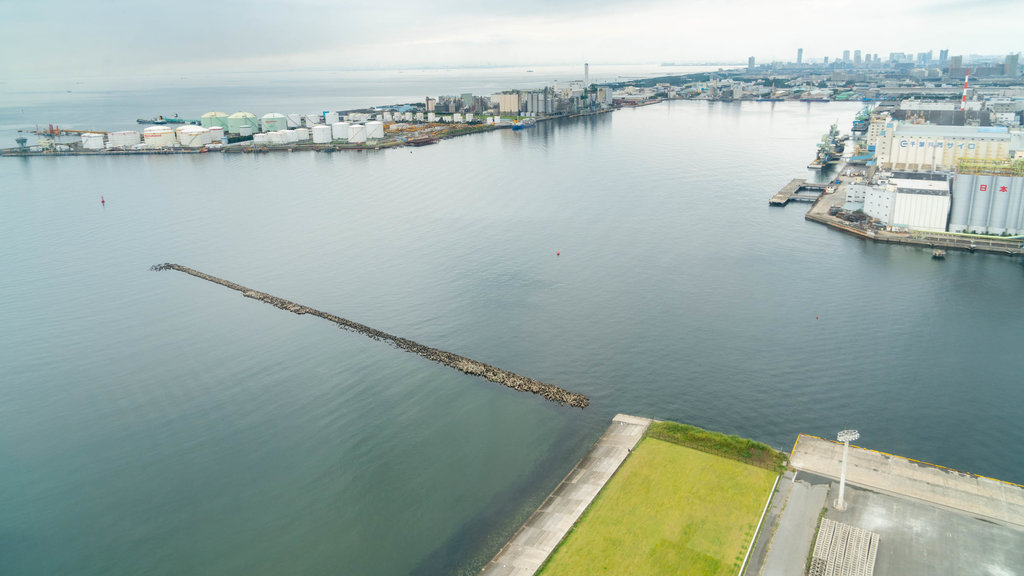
(153, 423)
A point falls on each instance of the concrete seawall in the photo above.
(460, 363)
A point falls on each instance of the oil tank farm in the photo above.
(212, 119)
(356, 133)
(92, 141)
(339, 130)
(273, 122)
(158, 137)
(988, 197)
(193, 136)
(240, 120)
(374, 130)
(321, 134)
(124, 138)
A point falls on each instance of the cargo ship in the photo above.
(523, 123)
(163, 120)
(862, 120)
(830, 148)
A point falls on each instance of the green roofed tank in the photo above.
(211, 119)
(239, 119)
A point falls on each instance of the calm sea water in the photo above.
(153, 423)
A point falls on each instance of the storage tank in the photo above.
(418, 116)
(158, 137)
(1015, 215)
(278, 138)
(92, 141)
(239, 119)
(211, 119)
(302, 134)
(321, 134)
(192, 136)
(273, 122)
(339, 131)
(469, 117)
(431, 117)
(374, 130)
(124, 138)
(291, 136)
(980, 207)
(356, 133)
(313, 120)
(294, 120)
(330, 118)
(387, 117)
(261, 139)
(216, 133)
(246, 130)
(963, 197)
(1000, 205)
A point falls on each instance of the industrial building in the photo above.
(988, 198)
(911, 204)
(928, 147)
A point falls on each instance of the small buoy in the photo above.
(103, 201)
(815, 317)
(559, 253)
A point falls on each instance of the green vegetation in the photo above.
(733, 447)
(668, 510)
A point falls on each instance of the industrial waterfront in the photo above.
(617, 256)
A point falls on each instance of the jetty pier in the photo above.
(460, 363)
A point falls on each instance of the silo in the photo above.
(158, 137)
(294, 120)
(313, 120)
(192, 136)
(1015, 213)
(273, 122)
(374, 130)
(124, 138)
(963, 196)
(239, 119)
(321, 134)
(339, 131)
(980, 208)
(92, 141)
(356, 133)
(330, 118)
(1000, 204)
(261, 139)
(302, 134)
(211, 119)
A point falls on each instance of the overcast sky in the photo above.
(70, 38)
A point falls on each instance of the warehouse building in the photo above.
(929, 147)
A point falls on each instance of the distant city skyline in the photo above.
(63, 38)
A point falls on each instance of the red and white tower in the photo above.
(963, 99)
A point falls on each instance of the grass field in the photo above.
(668, 510)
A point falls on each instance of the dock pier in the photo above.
(460, 363)
(798, 190)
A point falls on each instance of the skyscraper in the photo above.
(846, 55)
(943, 56)
(586, 74)
(1011, 65)
(856, 57)
(750, 64)
(799, 55)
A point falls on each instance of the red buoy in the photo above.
(102, 201)
(559, 253)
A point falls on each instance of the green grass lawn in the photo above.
(668, 510)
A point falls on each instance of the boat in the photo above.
(165, 120)
(523, 123)
(862, 120)
(939, 254)
(421, 141)
(830, 148)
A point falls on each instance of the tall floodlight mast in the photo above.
(846, 436)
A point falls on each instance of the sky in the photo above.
(50, 39)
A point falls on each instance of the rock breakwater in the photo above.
(460, 363)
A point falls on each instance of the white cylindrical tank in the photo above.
(158, 137)
(273, 122)
(246, 130)
(339, 130)
(124, 138)
(431, 117)
(216, 133)
(356, 133)
(278, 138)
(192, 136)
(418, 116)
(374, 130)
(313, 120)
(387, 117)
(294, 120)
(302, 134)
(321, 134)
(291, 136)
(261, 138)
(92, 141)
(469, 117)
(408, 116)
(330, 118)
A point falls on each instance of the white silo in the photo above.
(339, 130)
(273, 122)
(211, 119)
(374, 130)
(356, 133)
(124, 138)
(321, 134)
(313, 120)
(302, 134)
(158, 137)
(92, 141)
(262, 139)
(294, 120)
(330, 118)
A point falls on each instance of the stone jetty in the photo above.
(460, 363)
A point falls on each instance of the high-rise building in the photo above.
(943, 56)
(799, 55)
(856, 57)
(846, 55)
(826, 60)
(955, 63)
(750, 64)
(1011, 66)
(586, 74)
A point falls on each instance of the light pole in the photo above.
(845, 437)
